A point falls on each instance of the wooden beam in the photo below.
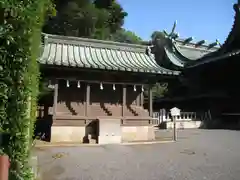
(55, 98)
(103, 81)
(138, 100)
(142, 98)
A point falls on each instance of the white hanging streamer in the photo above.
(67, 84)
(134, 88)
(78, 84)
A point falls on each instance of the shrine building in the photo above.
(98, 90)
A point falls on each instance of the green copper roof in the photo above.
(182, 54)
(176, 54)
(190, 52)
(98, 54)
(173, 57)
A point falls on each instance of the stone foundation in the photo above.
(109, 140)
(67, 134)
(127, 134)
(137, 133)
(184, 125)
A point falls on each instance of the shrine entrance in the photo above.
(110, 131)
(91, 132)
(103, 131)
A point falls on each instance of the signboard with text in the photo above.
(175, 111)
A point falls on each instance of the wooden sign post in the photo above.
(174, 113)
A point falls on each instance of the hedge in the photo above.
(20, 35)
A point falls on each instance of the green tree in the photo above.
(20, 35)
(115, 11)
(159, 90)
(123, 35)
(86, 18)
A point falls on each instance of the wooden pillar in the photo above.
(55, 99)
(87, 108)
(142, 98)
(124, 93)
(138, 101)
(150, 101)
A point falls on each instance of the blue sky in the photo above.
(202, 19)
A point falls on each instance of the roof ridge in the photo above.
(193, 43)
(81, 40)
(200, 48)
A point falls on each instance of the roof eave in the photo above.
(214, 59)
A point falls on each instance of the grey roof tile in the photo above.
(175, 54)
(192, 53)
(89, 53)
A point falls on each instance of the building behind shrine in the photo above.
(210, 83)
(176, 53)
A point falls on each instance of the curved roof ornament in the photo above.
(218, 43)
(199, 43)
(188, 40)
(173, 35)
(173, 28)
(214, 44)
(165, 33)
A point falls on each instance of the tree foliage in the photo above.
(99, 19)
(125, 36)
(86, 18)
(159, 90)
(20, 34)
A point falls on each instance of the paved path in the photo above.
(198, 155)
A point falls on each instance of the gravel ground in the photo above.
(197, 155)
